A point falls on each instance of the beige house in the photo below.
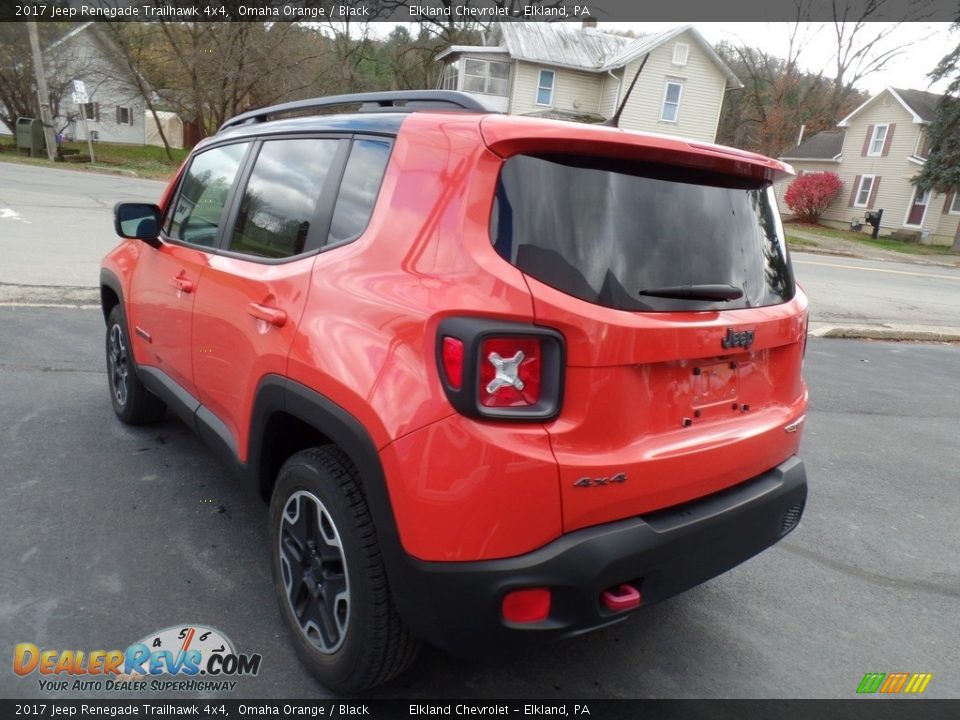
(576, 72)
(876, 150)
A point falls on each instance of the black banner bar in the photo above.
(466, 10)
(859, 709)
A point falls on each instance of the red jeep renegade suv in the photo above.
(500, 378)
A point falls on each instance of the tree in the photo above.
(777, 99)
(864, 46)
(18, 96)
(941, 171)
(811, 193)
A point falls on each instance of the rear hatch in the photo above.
(668, 275)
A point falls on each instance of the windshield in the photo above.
(641, 236)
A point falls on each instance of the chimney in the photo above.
(589, 23)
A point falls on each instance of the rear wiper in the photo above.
(696, 292)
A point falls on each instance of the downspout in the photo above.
(616, 102)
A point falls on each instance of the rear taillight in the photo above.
(493, 369)
(510, 372)
(452, 356)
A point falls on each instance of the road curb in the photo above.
(885, 333)
(824, 251)
(12, 294)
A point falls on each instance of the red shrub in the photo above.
(809, 195)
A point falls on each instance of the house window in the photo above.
(863, 193)
(485, 76)
(124, 116)
(680, 53)
(879, 137)
(449, 80)
(545, 87)
(671, 101)
(955, 204)
(89, 111)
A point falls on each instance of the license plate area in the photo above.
(715, 384)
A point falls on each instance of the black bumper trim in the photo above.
(456, 606)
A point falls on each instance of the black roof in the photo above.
(921, 102)
(824, 145)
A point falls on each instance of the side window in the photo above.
(278, 212)
(671, 101)
(358, 189)
(204, 190)
(545, 87)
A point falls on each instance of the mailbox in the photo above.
(30, 136)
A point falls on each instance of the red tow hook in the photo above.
(620, 598)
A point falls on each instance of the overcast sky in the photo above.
(931, 42)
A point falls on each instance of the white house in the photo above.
(578, 72)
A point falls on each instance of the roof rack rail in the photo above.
(398, 100)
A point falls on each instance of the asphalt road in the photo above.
(110, 533)
(55, 225)
(859, 292)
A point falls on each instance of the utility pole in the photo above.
(44, 95)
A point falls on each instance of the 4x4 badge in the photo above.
(596, 482)
(737, 339)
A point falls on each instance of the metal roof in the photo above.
(585, 49)
(588, 49)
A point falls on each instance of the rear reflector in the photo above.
(510, 372)
(620, 598)
(452, 352)
(526, 606)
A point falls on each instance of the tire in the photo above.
(335, 599)
(132, 402)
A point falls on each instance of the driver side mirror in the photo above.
(137, 221)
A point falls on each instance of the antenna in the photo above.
(615, 120)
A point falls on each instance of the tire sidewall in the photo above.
(118, 319)
(338, 668)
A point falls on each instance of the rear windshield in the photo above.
(641, 237)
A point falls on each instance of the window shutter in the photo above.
(130, 116)
(866, 143)
(96, 112)
(873, 192)
(118, 114)
(886, 143)
(856, 187)
(947, 203)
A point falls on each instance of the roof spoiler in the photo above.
(392, 100)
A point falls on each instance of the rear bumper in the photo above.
(457, 606)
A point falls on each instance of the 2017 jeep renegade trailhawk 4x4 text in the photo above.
(501, 379)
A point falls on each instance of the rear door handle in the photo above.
(183, 285)
(274, 316)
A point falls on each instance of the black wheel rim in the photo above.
(314, 571)
(119, 366)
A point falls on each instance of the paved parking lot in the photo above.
(110, 533)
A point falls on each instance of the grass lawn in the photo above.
(797, 241)
(144, 160)
(885, 243)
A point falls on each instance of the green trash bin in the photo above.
(30, 136)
